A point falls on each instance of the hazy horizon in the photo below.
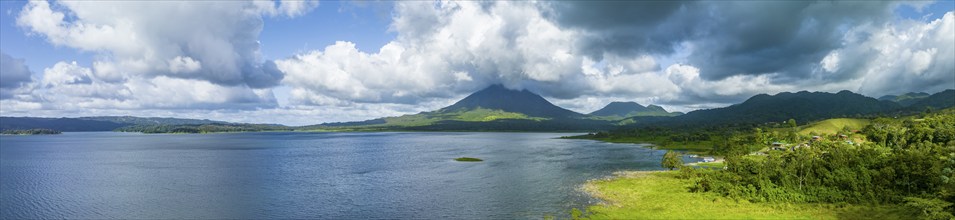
(310, 62)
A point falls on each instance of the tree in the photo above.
(672, 160)
(791, 123)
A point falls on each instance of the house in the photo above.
(709, 159)
(816, 138)
(778, 146)
(804, 145)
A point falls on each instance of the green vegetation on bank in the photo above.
(663, 195)
(468, 159)
(35, 131)
(904, 168)
(661, 138)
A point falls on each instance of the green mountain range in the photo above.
(801, 106)
(497, 108)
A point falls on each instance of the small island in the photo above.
(468, 159)
(34, 131)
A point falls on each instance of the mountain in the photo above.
(494, 108)
(497, 97)
(801, 106)
(906, 99)
(941, 100)
(629, 109)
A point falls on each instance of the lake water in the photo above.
(97, 175)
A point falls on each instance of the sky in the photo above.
(310, 62)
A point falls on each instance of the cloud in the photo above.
(630, 28)
(682, 55)
(730, 38)
(906, 57)
(206, 40)
(150, 56)
(290, 8)
(13, 75)
(715, 54)
(71, 87)
(442, 49)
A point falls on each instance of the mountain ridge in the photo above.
(803, 106)
(630, 109)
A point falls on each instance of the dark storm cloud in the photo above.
(729, 38)
(785, 37)
(630, 28)
(265, 76)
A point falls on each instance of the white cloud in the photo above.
(150, 57)
(165, 38)
(69, 86)
(182, 64)
(66, 73)
(902, 57)
(449, 48)
(148, 62)
(290, 8)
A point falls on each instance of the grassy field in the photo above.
(661, 195)
(833, 126)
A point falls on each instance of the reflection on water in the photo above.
(303, 175)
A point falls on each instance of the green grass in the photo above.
(834, 126)
(468, 159)
(661, 195)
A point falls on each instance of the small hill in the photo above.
(834, 126)
(630, 109)
(906, 99)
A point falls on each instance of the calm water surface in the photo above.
(304, 175)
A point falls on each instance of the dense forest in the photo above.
(907, 161)
(34, 131)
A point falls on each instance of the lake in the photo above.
(95, 175)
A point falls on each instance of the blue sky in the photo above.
(307, 62)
